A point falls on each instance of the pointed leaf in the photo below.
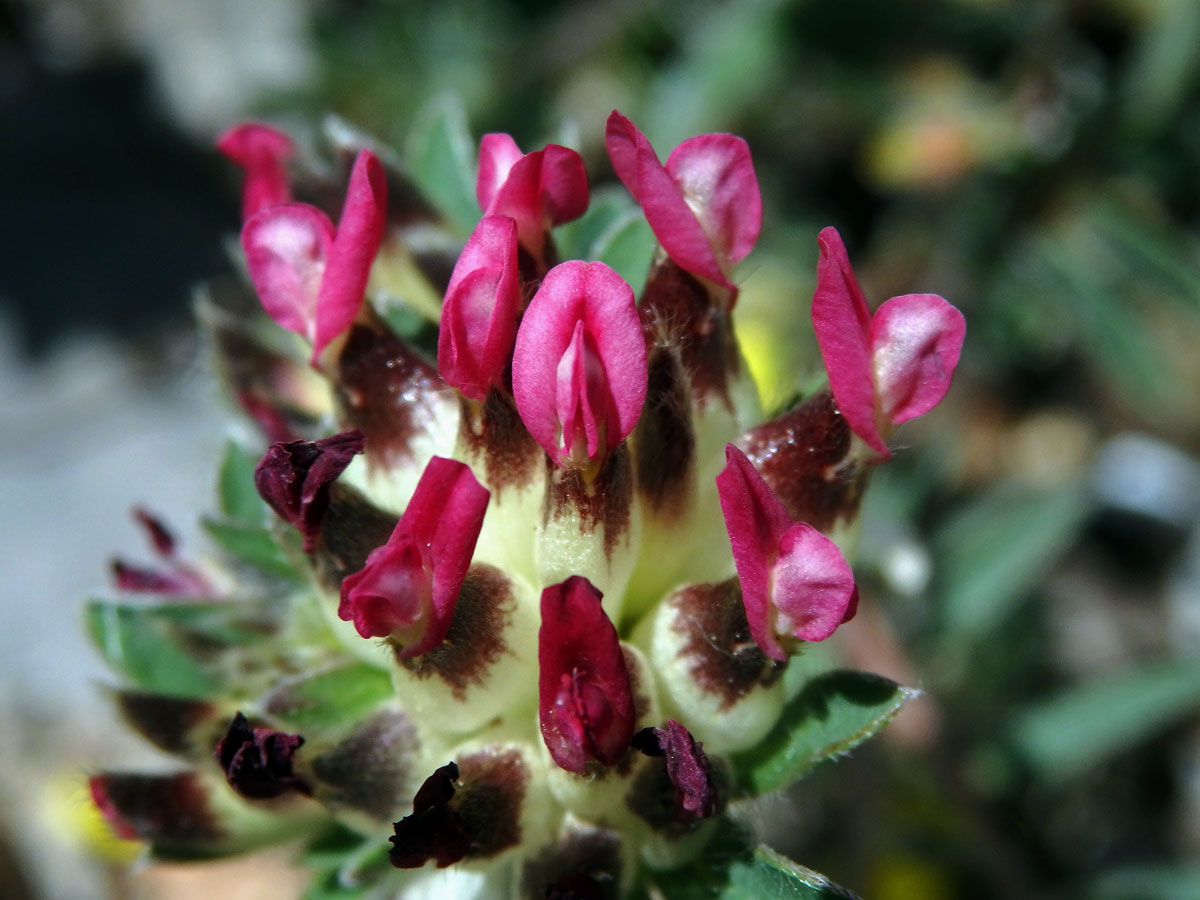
(331, 698)
(1082, 726)
(732, 868)
(253, 545)
(143, 645)
(832, 715)
(442, 157)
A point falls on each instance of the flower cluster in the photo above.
(540, 596)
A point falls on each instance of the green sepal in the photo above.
(734, 868)
(254, 545)
(147, 645)
(330, 699)
(440, 153)
(832, 715)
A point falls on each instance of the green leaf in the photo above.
(331, 698)
(578, 239)
(1082, 726)
(731, 868)
(832, 715)
(328, 887)
(143, 643)
(235, 487)
(994, 551)
(628, 246)
(254, 545)
(442, 157)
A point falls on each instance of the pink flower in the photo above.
(262, 152)
(704, 206)
(579, 365)
(795, 582)
(311, 279)
(479, 314)
(538, 190)
(585, 700)
(887, 368)
(409, 587)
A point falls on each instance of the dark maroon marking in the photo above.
(585, 865)
(385, 389)
(434, 830)
(490, 799)
(678, 310)
(665, 440)
(510, 455)
(170, 811)
(475, 641)
(607, 501)
(805, 458)
(169, 723)
(369, 769)
(722, 656)
(353, 527)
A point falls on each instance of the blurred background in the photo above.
(1031, 559)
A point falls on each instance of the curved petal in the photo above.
(585, 699)
(359, 233)
(409, 587)
(812, 587)
(842, 322)
(756, 522)
(287, 248)
(498, 153)
(915, 343)
(262, 152)
(670, 217)
(579, 346)
(564, 185)
(479, 314)
(716, 174)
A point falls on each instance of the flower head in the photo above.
(887, 368)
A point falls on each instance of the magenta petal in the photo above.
(580, 354)
(359, 233)
(915, 343)
(287, 248)
(564, 186)
(585, 699)
(717, 178)
(842, 322)
(498, 153)
(812, 588)
(541, 189)
(673, 222)
(262, 153)
(479, 314)
(756, 522)
(409, 587)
